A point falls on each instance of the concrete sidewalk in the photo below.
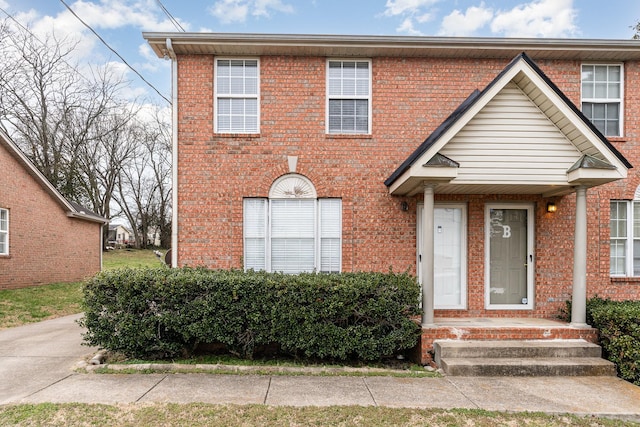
(37, 364)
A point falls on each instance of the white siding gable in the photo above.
(510, 141)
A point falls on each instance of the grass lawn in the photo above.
(34, 304)
(37, 303)
(134, 258)
(199, 414)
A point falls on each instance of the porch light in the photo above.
(551, 207)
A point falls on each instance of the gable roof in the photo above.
(74, 210)
(522, 68)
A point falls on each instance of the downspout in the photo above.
(174, 150)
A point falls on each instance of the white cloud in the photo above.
(411, 11)
(407, 27)
(4, 4)
(403, 7)
(229, 11)
(127, 16)
(540, 18)
(465, 24)
(424, 18)
(146, 52)
(107, 14)
(262, 7)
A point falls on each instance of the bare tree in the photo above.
(636, 28)
(109, 147)
(38, 96)
(145, 184)
(90, 142)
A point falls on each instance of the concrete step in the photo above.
(489, 367)
(515, 349)
(521, 358)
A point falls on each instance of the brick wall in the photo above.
(46, 246)
(411, 97)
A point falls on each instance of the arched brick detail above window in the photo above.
(292, 186)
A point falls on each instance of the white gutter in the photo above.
(174, 153)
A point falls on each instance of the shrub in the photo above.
(163, 313)
(618, 323)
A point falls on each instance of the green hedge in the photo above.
(619, 326)
(164, 313)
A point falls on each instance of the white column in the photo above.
(427, 256)
(579, 296)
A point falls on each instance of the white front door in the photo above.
(509, 256)
(450, 265)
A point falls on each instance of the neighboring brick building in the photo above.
(43, 237)
(329, 153)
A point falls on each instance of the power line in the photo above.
(173, 20)
(115, 52)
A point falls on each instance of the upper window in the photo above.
(4, 232)
(237, 92)
(349, 97)
(602, 97)
(292, 231)
(625, 238)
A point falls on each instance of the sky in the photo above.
(120, 24)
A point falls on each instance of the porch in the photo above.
(503, 154)
(499, 329)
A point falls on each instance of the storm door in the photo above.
(509, 256)
(450, 254)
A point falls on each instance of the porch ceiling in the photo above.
(414, 186)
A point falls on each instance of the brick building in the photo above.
(43, 237)
(490, 168)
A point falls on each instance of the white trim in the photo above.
(463, 251)
(529, 207)
(619, 100)
(243, 96)
(174, 153)
(369, 96)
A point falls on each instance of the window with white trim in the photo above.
(237, 93)
(602, 92)
(292, 231)
(624, 242)
(349, 97)
(4, 232)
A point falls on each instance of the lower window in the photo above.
(292, 235)
(4, 232)
(624, 240)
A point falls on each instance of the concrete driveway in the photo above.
(38, 363)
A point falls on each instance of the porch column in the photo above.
(427, 256)
(579, 296)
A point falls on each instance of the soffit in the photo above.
(239, 44)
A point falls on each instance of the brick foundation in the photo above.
(472, 332)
